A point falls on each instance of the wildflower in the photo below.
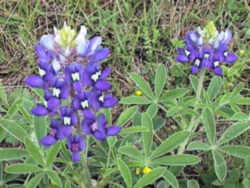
(138, 93)
(75, 88)
(207, 48)
(146, 170)
(57, 132)
(75, 144)
(98, 127)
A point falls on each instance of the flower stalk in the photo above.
(194, 121)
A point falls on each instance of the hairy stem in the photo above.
(194, 121)
(86, 178)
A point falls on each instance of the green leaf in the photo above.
(241, 101)
(170, 143)
(196, 145)
(209, 124)
(160, 79)
(54, 150)
(192, 184)
(147, 136)
(214, 87)
(125, 172)
(15, 130)
(150, 178)
(234, 131)
(170, 178)
(12, 110)
(132, 130)
(34, 151)
(135, 100)
(177, 160)
(7, 154)
(3, 95)
(194, 82)
(239, 151)
(142, 85)
(35, 180)
(132, 152)
(54, 177)
(152, 110)
(220, 165)
(41, 126)
(173, 94)
(22, 168)
(126, 115)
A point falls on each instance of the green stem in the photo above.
(86, 178)
(194, 121)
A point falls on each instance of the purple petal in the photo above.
(48, 141)
(66, 131)
(99, 55)
(76, 103)
(86, 126)
(100, 135)
(35, 81)
(53, 104)
(194, 69)
(77, 86)
(76, 156)
(94, 44)
(105, 73)
(101, 122)
(218, 71)
(230, 58)
(74, 118)
(102, 85)
(40, 110)
(110, 101)
(88, 114)
(113, 130)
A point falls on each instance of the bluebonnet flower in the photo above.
(75, 144)
(206, 48)
(97, 126)
(57, 132)
(75, 88)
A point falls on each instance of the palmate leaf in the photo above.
(177, 160)
(7, 154)
(147, 123)
(133, 130)
(152, 110)
(170, 178)
(150, 177)
(209, 124)
(234, 131)
(35, 180)
(214, 87)
(22, 168)
(126, 115)
(170, 143)
(54, 150)
(135, 100)
(53, 176)
(239, 151)
(142, 85)
(160, 79)
(34, 151)
(220, 165)
(196, 145)
(132, 152)
(125, 172)
(173, 94)
(12, 128)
